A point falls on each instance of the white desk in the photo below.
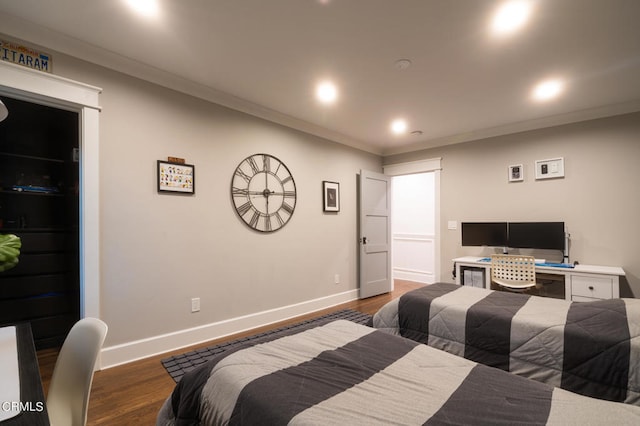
(582, 283)
(24, 405)
(9, 373)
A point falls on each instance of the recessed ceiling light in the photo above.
(399, 126)
(146, 8)
(511, 16)
(326, 92)
(547, 90)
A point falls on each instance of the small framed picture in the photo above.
(516, 173)
(550, 169)
(331, 196)
(174, 177)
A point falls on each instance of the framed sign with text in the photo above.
(173, 177)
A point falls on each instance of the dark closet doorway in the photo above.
(39, 202)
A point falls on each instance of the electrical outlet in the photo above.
(336, 279)
(195, 304)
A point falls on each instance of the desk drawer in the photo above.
(592, 286)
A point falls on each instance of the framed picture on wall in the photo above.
(331, 196)
(550, 169)
(516, 173)
(178, 178)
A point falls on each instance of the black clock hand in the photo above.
(258, 193)
(267, 200)
(266, 191)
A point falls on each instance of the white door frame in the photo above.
(47, 89)
(424, 166)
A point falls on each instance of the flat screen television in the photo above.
(536, 235)
(492, 234)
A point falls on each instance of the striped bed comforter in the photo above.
(591, 348)
(344, 373)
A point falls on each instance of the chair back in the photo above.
(70, 387)
(513, 271)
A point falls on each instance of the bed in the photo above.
(591, 348)
(345, 373)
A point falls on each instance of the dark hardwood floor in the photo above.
(133, 393)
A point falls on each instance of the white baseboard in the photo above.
(127, 352)
(424, 277)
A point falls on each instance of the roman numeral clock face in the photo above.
(263, 192)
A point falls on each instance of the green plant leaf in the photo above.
(10, 245)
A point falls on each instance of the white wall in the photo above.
(413, 226)
(598, 199)
(158, 251)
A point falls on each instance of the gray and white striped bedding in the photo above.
(591, 348)
(344, 373)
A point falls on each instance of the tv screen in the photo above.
(492, 234)
(537, 235)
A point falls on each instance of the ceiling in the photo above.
(266, 57)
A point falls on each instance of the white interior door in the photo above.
(375, 234)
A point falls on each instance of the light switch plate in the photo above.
(195, 304)
(549, 169)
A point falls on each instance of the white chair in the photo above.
(513, 272)
(70, 387)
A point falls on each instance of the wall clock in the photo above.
(263, 192)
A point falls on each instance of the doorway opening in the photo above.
(416, 223)
(39, 202)
(414, 227)
(19, 82)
